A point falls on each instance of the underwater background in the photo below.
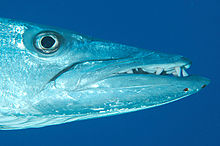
(187, 27)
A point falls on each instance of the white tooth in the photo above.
(174, 73)
(121, 72)
(159, 71)
(184, 73)
(187, 66)
(150, 71)
(170, 72)
(178, 71)
(129, 71)
(147, 70)
(144, 69)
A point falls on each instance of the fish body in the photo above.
(51, 76)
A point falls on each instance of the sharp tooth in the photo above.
(178, 71)
(187, 66)
(174, 73)
(144, 69)
(120, 72)
(129, 71)
(170, 72)
(149, 71)
(184, 73)
(159, 71)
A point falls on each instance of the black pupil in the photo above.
(47, 42)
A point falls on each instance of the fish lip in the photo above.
(187, 85)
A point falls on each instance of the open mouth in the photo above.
(178, 71)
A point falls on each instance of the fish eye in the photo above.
(47, 42)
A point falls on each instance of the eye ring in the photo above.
(47, 42)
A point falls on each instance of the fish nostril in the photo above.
(203, 86)
(186, 89)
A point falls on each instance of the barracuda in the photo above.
(51, 76)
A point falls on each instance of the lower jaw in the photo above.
(144, 80)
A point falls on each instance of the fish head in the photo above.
(47, 71)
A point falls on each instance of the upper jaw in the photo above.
(158, 64)
(89, 72)
(177, 68)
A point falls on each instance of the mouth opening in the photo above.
(177, 71)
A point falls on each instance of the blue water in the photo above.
(186, 27)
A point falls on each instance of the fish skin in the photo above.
(80, 80)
